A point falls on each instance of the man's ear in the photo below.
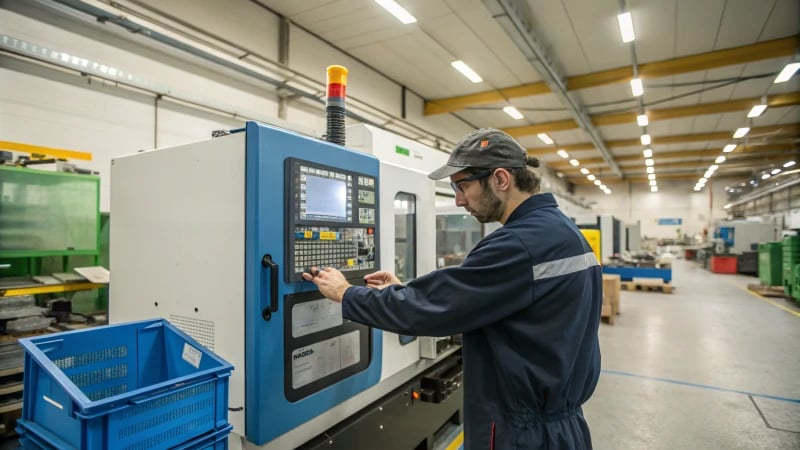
(503, 179)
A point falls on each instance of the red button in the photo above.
(370, 231)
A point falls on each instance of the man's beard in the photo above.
(489, 208)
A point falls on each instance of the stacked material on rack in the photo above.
(20, 314)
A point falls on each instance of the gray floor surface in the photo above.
(710, 366)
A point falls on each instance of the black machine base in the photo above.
(413, 417)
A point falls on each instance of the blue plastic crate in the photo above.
(30, 439)
(134, 386)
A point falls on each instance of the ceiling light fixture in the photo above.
(651, 176)
(653, 183)
(584, 171)
(775, 171)
(741, 132)
(757, 110)
(626, 26)
(729, 148)
(713, 167)
(651, 169)
(603, 187)
(787, 72)
(719, 160)
(574, 162)
(563, 154)
(642, 120)
(645, 139)
(513, 112)
(788, 164)
(765, 176)
(398, 11)
(597, 182)
(636, 87)
(607, 191)
(544, 138)
(653, 188)
(649, 162)
(591, 177)
(648, 153)
(466, 71)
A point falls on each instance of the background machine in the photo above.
(213, 236)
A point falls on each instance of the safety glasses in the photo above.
(457, 185)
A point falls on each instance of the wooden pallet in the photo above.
(768, 291)
(647, 284)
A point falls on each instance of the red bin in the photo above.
(723, 264)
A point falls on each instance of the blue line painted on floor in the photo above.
(701, 386)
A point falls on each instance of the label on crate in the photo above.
(192, 355)
(318, 360)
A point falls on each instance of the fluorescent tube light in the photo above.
(651, 176)
(697, 188)
(719, 160)
(787, 72)
(653, 183)
(645, 139)
(607, 191)
(741, 132)
(642, 120)
(636, 87)
(765, 176)
(729, 148)
(466, 71)
(649, 162)
(648, 153)
(584, 171)
(574, 162)
(702, 181)
(397, 11)
(603, 187)
(653, 188)
(563, 154)
(788, 164)
(544, 138)
(651, 169)
(775, 171)
(713, 168)
(757, 110)
(597, 182)
(513, 112)
(591, 177)
(626, 26)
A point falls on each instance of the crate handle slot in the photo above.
(171, 391)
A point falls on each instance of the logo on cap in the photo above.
(484, 143)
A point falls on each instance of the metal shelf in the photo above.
(54, 288)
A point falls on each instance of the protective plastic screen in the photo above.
(326, 197)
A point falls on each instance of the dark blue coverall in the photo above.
(527, 299)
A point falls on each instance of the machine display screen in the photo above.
(326, 197)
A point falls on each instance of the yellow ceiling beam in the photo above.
(719, 58)
(787, 129)
(711, 153)
(775, 101)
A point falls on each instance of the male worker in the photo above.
(527, 299)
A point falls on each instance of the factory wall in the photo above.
(674, 200)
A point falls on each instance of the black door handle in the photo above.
(268, 263)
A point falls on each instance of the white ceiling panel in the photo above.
(492, 37)
(698, 22)
(598, 33)
(742, 23)
(654, 25)
(553, 25)
(783, 21)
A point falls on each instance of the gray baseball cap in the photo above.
(484, 148)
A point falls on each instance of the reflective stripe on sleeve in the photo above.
(564, 266)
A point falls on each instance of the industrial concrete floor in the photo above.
(710, 366)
